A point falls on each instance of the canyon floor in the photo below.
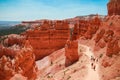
(85, 69)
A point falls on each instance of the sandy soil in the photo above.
(81, 70)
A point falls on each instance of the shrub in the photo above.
(111, 24)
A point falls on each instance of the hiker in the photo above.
(94, 67)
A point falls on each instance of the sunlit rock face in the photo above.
(109, 36)
(48, 37)
(14, 39)
(71, 47)
(19, 53)
(103, 37)
(23, 62)
(71, 52)
(11, 45)
(82, 28)
(107, 44)
(113, 7)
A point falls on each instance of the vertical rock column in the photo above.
(113, 7)
(71, 48)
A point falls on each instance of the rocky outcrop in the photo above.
(11, 45)
(6, 69)
(7, 51)
(113, 48)
(13, 39)
(99, 35)
(71, 52)
(19, 53)
(103, 37)
(113, 7)
(88, 28)
(23, 62)
(71, 47)
(45, 38)
(82, 28)
(109, 39)
(48, 38)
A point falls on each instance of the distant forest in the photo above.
(12, 30)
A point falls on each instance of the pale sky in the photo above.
(49, 9)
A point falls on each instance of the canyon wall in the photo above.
(113, 7)
(22, 62)
(48, 37)
(103, 37)
(80, 29)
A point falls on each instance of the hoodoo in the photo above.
(113, 7)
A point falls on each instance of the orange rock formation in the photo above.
(48, 38)
(22, 62)
(19, 53)
(114, 7)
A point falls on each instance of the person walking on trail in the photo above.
(94, 60)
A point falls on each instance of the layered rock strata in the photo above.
(22, 62)
(48, 38)
(113, 7)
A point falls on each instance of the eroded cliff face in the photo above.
(109, 47)
(22, 62)
(14, 39)
(113, 7)
(103, 38)
(71, 52)
(71, 47)
(81, 29)
(48, 37)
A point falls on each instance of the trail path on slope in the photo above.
(81, 70)
(92, 69)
